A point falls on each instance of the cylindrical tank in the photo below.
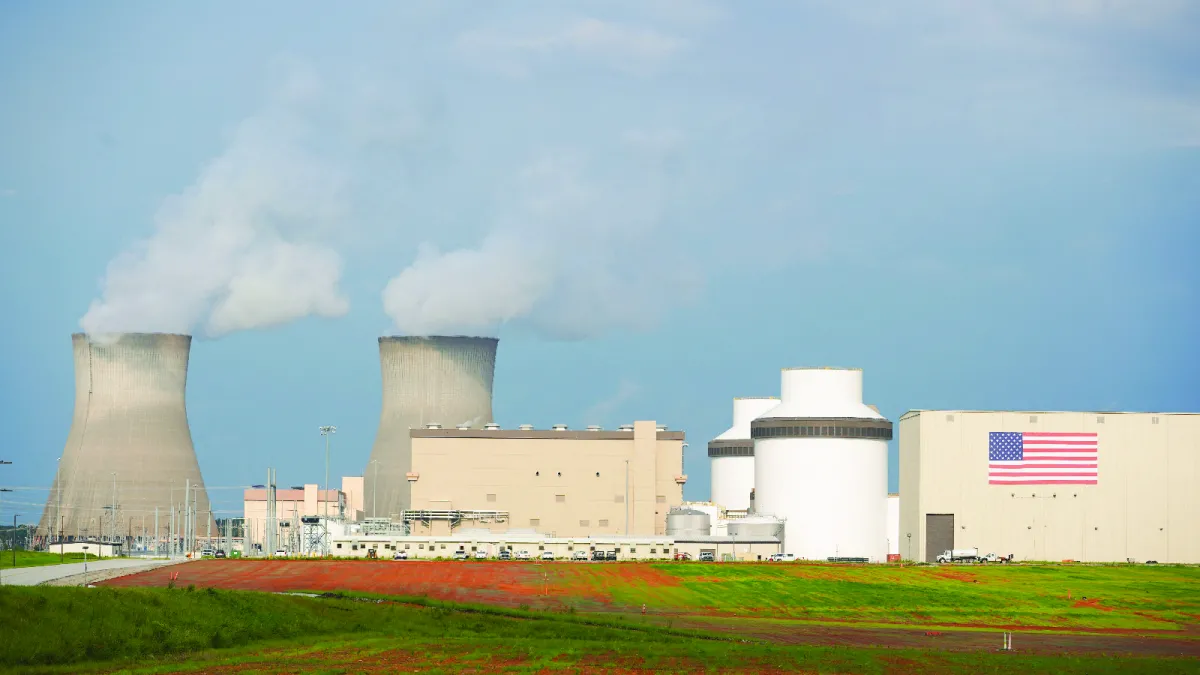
(684, 523)
(130, 420)
(821, 466)
(731, 455)
(754, 527)
(426, 380)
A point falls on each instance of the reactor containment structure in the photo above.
(820, 465)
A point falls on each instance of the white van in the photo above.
(782, 557)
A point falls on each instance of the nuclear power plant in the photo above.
(731, 455)
(440, 380)
(129, 450)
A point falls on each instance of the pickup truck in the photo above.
(955, 555)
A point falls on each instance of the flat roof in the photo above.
(914, 413)
(569, 434)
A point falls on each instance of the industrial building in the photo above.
(129, 455)
(626, 548)
(820, 465)
(561, 482)
(426, 380)
(731, 455)
(292, 504)
(1083, 486)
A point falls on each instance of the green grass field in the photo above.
(1147, 598)
(71, 630)
(39, 558)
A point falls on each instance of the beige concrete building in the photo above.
(1133, 497)
(352, 491)
(560, 483)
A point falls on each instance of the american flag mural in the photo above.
(1027, 458)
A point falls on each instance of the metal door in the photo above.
(939, 534)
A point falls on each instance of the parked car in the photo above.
(579, 555)
(547, 555)
(505, 554)
(219, 554)
(611, 555)
(481, 554)
(522, 555)
(460, 554)
(683, 555)
(400, 555)
(781, 557)
(280, 553)
(707, 556)
(597, 555)
(206, 553)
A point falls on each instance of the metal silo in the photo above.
(821, 466)
(442, 380)
(731, 455)
(130, 420)
(754, 528)
(686, 523)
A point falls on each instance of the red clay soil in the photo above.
(492, 583)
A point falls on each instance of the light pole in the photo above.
(326, 431)
(58, 482)
(374, 487)
(85, 548)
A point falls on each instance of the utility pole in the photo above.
(58, 484)
(112, 525)
(14, 544)
(156, 531)
(187, 490)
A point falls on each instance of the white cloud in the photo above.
(515, 51)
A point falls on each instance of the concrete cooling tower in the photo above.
(130, 419)
(820, 463)
(426, 380)
(731, 455)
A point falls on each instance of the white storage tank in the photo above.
(684, 523)
(731, 455)
(754, 528)
(821, 466)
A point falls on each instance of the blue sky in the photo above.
(656, 205)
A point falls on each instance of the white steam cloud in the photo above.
(571, 257)
(240, 248)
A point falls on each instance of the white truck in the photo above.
(959, 554)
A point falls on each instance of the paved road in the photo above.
(32, 576)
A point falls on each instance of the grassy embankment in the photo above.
(40, 558)
(1153, 598)
(160, 630)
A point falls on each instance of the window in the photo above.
(534, 522)
(407, 546)
(443, 547)
(603, 523)
(421, 547)
(661, 499)
(560, 498)
(570, 548)
(537, 473)
(597, 474)
(585, 523)
(472, 549)
(339, 545)
(354, 547)
(632, 549)
(653, 551)
(541, 548)
(616, 550)
(560, 474)
(491, 498)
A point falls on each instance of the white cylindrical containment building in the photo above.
(731, 455)
(820, 464)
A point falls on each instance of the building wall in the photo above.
(657, 548)
(732, 480)
(1145, 505)
(893, 524)
(352, 488)
(570, 483)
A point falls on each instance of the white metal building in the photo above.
(731, 455)
(820, 464)
(1084, 486)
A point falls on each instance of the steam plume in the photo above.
(241, 247)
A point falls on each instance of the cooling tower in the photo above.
(426, 380)
(820, 464)
(130, 418)
(731, 455)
